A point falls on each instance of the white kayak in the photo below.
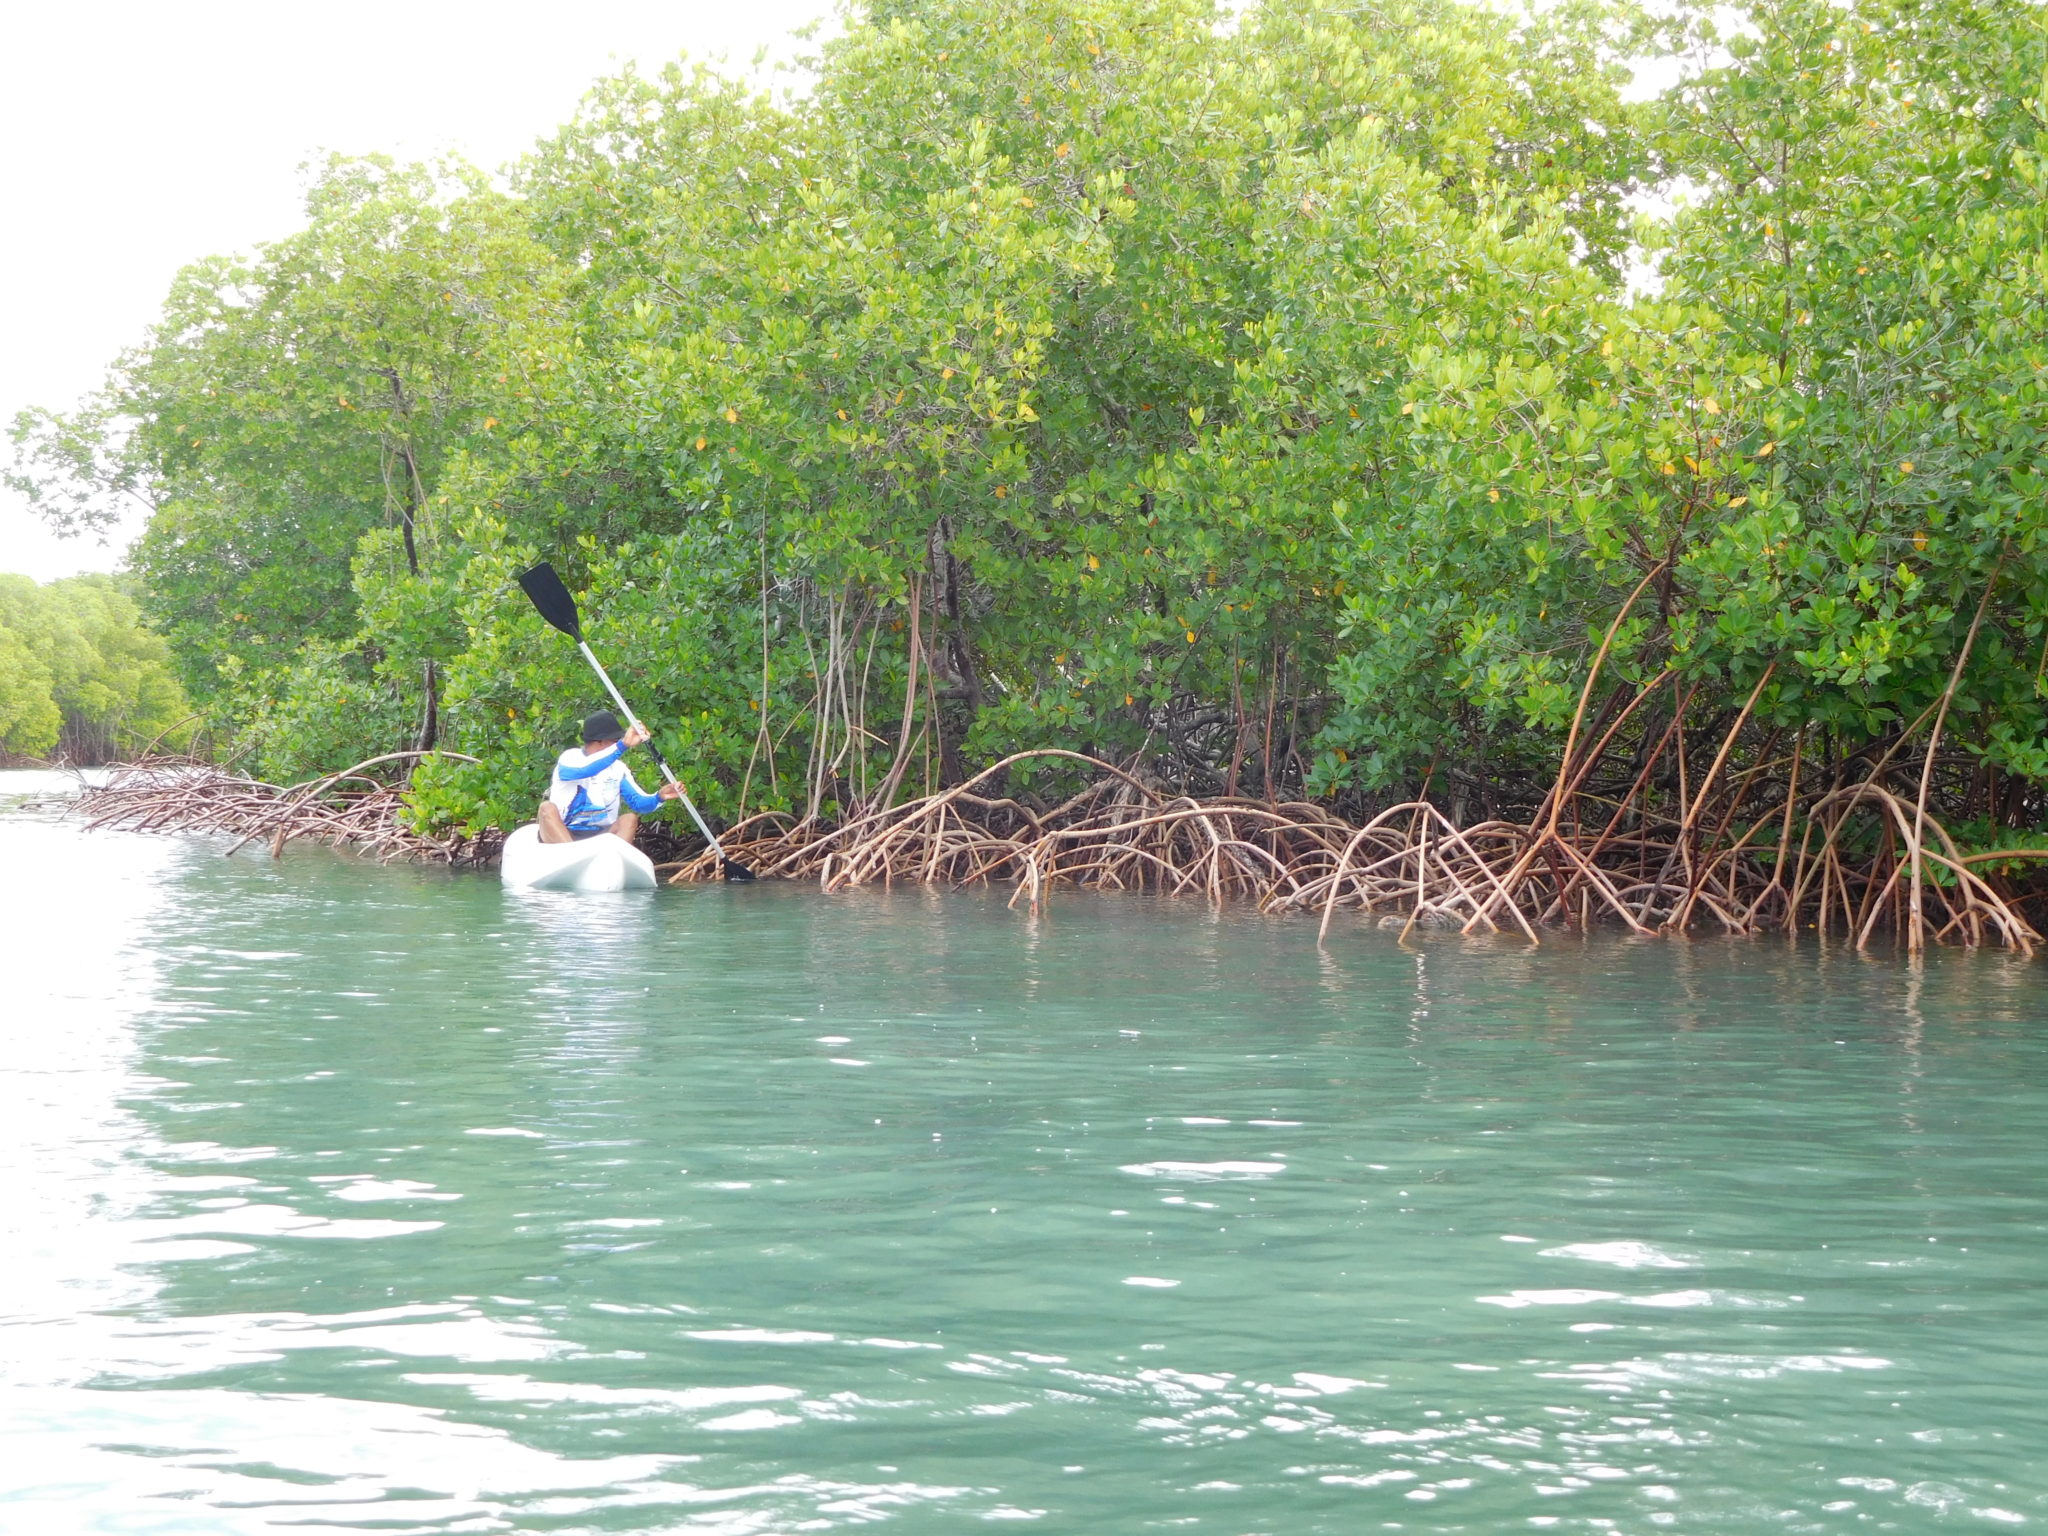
(602, 863)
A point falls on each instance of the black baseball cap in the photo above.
(602, 726)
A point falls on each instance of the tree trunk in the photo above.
(948, 569)
(430, 714)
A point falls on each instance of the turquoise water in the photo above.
(353, 1198)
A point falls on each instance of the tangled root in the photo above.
(347, 809)
(1838, 862)
(1409, 861)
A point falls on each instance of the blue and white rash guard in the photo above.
(588, 787)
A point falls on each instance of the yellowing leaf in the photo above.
(1607, 349)
(700, 445)
(1025, 413)
(1711, 406)
(1191, 637)
(1094, 564)
(1906, 466)
(1063, 151)
(1739, 501)
(1492, 495)
(1669, 469)
(1002, 490)
(490, 422)
(842, 415)
(1407, 409)
(1767, 450)
(731, 414)
(945, 373)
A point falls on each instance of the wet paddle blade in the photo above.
(733, 870)
(552, 599)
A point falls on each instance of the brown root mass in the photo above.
(1410, 864)
(347, 809)
(1851, 861)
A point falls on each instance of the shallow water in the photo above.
(341, 1197)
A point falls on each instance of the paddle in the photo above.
(559, 609)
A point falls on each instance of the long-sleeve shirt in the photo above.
(587, 788)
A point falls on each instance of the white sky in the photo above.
(135, 137)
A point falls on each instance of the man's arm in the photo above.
(638, 798)
(594, 767)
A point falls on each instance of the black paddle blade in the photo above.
(552, 599)
(731, 869)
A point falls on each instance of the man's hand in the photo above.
(636, 733)
(669, 791)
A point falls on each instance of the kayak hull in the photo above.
(589, 865)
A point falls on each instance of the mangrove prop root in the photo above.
(349, 809)
(1409, 865)
(1848, 860)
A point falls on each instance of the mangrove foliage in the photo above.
(1353, 404)
(82, 678)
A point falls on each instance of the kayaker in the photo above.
(591, 780)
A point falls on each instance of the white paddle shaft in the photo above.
(666, 772)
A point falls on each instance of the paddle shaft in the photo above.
(666, 772)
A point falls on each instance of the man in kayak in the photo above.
(591, 780)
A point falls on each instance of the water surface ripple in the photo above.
(349, 1198)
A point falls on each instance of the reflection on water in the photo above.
(342, 1197)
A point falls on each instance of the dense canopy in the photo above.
(1286, 400)
(81, 677)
